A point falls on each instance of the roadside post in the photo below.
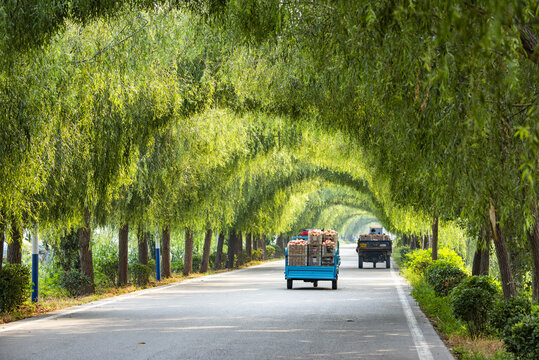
(157, 257)
(35, 265)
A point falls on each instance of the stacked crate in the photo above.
(297, 253)
(315, 248)
(375, 237)
(329, 247)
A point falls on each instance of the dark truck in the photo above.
(374, 247)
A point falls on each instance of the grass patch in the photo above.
(438, 309)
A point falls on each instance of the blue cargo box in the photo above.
(312, 273)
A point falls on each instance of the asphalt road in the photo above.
(245, 314)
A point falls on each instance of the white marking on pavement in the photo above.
(421, 345)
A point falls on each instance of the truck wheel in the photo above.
(374, 264)
(334, 284)
(289, 283)
(360, 263)
(315, 283)
(388, 262)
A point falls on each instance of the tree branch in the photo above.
(111, 45)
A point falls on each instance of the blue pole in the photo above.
(157, 258)
(35, 265)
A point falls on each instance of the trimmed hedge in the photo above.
(15, 286)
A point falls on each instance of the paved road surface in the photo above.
(245, 314)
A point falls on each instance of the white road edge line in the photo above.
(421, 345)
(99, 303)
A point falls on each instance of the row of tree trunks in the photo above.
(14, 253)
(123, 241)
(424, 241)
(188, 253)
(85, 252)
(533, 238)
(165, 252)
(413, 242)
(206, 252)
(434, 241)
(506, 274)
(248, 246)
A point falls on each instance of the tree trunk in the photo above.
(150, 238)
(231, 249)
(435, 238)
(142, 246)
(485, 254)
(256, 241)
(413, 242)
(506, 274)
(280, 241)
(123, 240)
(165, 255)
(14, 254)
(248, 246)
(188, 254)
(239, 249)
(219, 252)
(533, 237)
(264, 249)
(476, 266)
(206, 252)
(85, 252)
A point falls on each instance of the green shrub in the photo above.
(151, 265)
(507, 312)
(419, 260)
(140, 273)
(444, 276)
(75, 282)
(197, 260)
(15, 286)
(404, 251)
(522, 339)
(105, 255)
(176, 266)
(270, 251)
(472, 299)
(258, 255)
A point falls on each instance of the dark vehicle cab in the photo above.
(374, 247)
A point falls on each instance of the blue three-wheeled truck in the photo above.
(326, 269)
